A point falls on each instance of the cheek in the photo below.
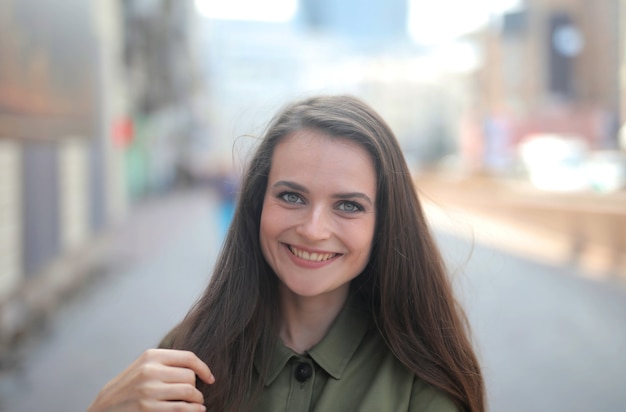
(362, 237)
(366, 249)
(269, 228)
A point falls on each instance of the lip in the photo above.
(310, 264)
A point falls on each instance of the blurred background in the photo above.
(125, 125)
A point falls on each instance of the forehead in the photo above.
(311, 154)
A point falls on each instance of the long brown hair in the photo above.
(405, 282)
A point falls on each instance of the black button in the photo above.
(303, 371)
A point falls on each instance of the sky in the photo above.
(428, 22)
(433, 22)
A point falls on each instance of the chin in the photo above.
(305, 290)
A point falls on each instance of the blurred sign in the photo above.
(515, 23)
(565, 43)
(123, 131)
(48, 69)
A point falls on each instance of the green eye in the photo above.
(291, 197)
(350, 207)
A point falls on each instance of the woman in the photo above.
(329, 293)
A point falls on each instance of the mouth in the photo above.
(311, 256)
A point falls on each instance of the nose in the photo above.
(315, 225)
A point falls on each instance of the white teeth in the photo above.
(314, 257)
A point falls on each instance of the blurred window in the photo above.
(268, 10)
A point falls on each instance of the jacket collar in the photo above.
(334, 351)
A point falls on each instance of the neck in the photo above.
(305, 321)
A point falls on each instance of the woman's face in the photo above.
(319, 213)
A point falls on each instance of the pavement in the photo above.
(160, 259)
(583, 228)
(550, 336)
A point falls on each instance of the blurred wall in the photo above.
(164, 88)
(61, 91)
(553, 66)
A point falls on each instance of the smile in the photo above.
(313, 257)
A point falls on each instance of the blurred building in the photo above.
(552, 66)
(61, 94)
(164, 89)
(95, 100)
(363, 49)
(622, 72)
(375, 23)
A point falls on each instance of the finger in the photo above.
(153, 370)
(184, 359)
(181, 407)
(158, 406)
(173, 392)
(173, 374)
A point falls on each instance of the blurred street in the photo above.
(160, 260)
(125, 126)
(550, 338)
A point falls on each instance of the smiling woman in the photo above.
(316, 229)
(268, 10)
(329, 293)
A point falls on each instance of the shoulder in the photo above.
(426, 398)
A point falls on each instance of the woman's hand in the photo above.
(159, 380)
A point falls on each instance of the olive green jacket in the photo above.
(350, 370)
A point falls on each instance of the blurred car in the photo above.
(606, 170)
(555, 162)
(565, 163)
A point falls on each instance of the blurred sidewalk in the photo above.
(139, 279)
(149, 225)
(586, 230)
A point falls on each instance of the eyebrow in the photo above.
(346, 195)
